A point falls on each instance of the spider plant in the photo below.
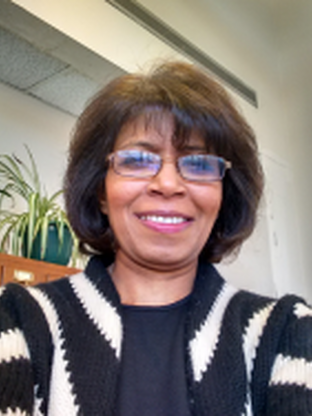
(20, 182)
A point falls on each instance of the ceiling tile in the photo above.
(22, 65)
(68, 90)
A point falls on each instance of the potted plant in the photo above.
(29, 231)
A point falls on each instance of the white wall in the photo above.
(25, 120)
(262, 266)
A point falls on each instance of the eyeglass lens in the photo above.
(201, 167)
(136, 163)
(198, 167)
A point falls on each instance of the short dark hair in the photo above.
(197, 103)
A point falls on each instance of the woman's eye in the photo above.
(136, 160)
(198, 164)
(131, 160)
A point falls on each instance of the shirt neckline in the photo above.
(170, 306)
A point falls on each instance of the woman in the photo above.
(163, 180)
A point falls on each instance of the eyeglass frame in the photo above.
(227, 165)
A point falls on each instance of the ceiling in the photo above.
(271, 30)
(42, 62)
(39, 60)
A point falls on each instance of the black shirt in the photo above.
(153, 377)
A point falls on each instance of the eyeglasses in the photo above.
(142, 164)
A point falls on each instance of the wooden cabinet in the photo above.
(30, 272)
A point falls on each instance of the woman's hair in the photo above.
(197, 104)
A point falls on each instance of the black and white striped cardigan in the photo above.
(61, 346)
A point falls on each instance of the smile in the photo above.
(163, 220)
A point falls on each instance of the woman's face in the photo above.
(160, 222)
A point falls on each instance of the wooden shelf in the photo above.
(30, 272)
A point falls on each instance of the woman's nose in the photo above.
(167, 181)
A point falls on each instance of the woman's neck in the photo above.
(141, 285)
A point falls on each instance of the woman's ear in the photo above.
(102, 200)
(103, 205)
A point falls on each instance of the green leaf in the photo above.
(44, 235)
(11, 173)
(33, 172)
(32, 208)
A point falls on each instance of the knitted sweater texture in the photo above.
(61, 348)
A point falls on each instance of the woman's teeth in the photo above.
(163, 220)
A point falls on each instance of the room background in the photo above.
(266, 45)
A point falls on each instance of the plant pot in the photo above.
(55, 252)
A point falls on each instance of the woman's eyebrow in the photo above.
(194, 148)
(146, 145)
(142, 144)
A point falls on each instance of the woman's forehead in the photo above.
(158, 128)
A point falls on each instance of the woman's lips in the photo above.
(165, 222)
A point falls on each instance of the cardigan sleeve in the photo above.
(290, 383)
(16, 377)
